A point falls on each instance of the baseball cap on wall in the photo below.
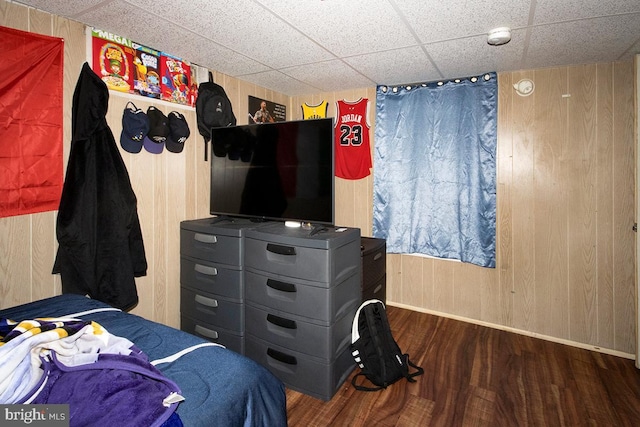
(178, 132)
(158, 131)
(135, 125)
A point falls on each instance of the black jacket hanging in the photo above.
(100, 241)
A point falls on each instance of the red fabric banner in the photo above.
(31, 102)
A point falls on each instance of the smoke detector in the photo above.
(498, 36)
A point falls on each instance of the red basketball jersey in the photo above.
(352, 147)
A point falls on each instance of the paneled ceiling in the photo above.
(299, 47)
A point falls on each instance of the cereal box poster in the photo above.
(175, 79)
(146, 71)
(113, 60)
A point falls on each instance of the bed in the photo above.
(219, 386)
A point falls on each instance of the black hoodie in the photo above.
(101, 249)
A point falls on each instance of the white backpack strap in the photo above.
(355, 334)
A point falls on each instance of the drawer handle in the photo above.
(281, 250)
(205, 238)
(206, 332)
(377, 256)
(209, 271)
(281, 286)
(209, 302)
(281, 321)
(282, 357)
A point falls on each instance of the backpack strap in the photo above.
(419, 370)
(363, 387)
(370, 317)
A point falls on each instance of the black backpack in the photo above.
(375, 350)
(213, 109)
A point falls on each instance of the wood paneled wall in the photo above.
(637, 144)
(566, 187)
(566, 198)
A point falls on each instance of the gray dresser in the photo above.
(212, 280)
(301, 293)
(282, 296)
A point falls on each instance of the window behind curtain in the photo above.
(435, 169)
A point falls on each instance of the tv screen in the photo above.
(274, 171)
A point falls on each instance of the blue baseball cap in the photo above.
(135, 126)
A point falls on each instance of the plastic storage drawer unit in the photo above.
(298, 333)
(326, 257)
(374, 267)
(213, 278)
(296, 296)
(213, 333)
(307, 374)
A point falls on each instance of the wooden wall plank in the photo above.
(624, 209)
(428, 282)
(15, 243)
(443, 286)
(467, 289)
(549, 194)
(14, 16)
(394, 277)
(40, 22)
(15, 261)
(413, 281)
(504, 227)
(158, 186)
(580, 170)
(605, 203)
(523, 207)
(43, 242)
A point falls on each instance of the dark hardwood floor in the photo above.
(479, 376)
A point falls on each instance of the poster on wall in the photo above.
(146, 71)
(113, 60)
(175, 79)
(263, 111)
(129, 67)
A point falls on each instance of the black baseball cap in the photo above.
(158, 131)
(178, 132)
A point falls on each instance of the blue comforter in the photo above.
(221, 387)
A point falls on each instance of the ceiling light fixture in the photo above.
(498, 36)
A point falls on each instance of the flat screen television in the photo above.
(274, 171)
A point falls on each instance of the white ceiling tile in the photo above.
(329, 75)
(121, 18)
(631, 52)
(568, 10)
(606, 40)
(345, 27)
(473, 55)
(215, 57)
(63, 7)
(247, 28)
(435, 20)
(399, 66)
(279, 82)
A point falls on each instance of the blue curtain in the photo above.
(435, 169)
